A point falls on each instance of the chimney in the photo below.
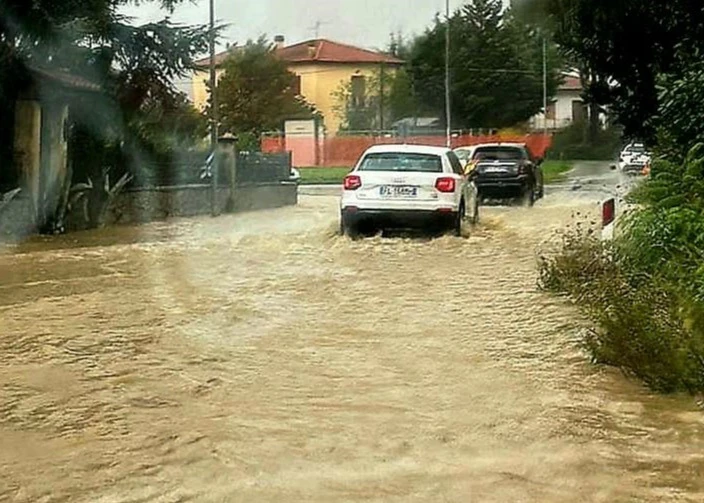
(279, 42)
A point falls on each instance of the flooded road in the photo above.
(262, 357)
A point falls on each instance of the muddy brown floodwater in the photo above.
(263, 358)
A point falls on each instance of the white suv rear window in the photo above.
(635, 149)
(401, 161)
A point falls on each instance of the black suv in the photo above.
(503, 171)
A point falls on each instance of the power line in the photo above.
(500, 70)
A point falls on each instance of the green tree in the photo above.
(495, 63)
(387, 96)
(678, 121)
(257, 91)
(402, 99)
(628, 46)
(399, 46)
(135, 66)
(357, 110)
(647, 293)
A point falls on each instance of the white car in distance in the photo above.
(634, 158)
(406, 187)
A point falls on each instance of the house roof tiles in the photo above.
(328, 51)
(317, 51)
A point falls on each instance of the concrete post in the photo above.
(28, 126)
(54, 161)
(227, 159)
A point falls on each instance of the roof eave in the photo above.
(347, 62)
(65, 79)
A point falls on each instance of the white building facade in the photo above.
(566, 108)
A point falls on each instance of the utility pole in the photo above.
(213, 116)
(545, 85)
(448, 105)
(382, 75)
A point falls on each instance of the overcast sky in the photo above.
(365, 23)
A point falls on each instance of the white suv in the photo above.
(634, 158)
(408, 186)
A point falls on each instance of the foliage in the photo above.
(679, 122)
(315, 175)
(496, 67)
(646, 328)
(402, 100)
(671, 221)
(399, 46)
(139, 109)
(645, 291)
(374, 108)
(256, 92)
(358, 113)
(633, 44)
(555, 171)
(573, 142)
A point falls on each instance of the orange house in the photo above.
(321, 66)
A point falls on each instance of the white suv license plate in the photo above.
(398, 191)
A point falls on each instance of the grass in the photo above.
(555, 171)
(323, 176)
(648, 325)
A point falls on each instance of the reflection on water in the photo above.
(261, 357)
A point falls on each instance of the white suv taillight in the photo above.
(352, 182)
(445, 184)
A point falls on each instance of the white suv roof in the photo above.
(411, 149)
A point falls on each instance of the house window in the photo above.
(551, 110)
(358, 91)
(296, 85)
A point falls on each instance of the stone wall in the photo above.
(159, 203)
(16, 219)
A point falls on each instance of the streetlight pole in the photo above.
(213, 115)
(448, 105)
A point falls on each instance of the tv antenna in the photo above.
(316, 27)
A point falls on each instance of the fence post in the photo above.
(227, 146)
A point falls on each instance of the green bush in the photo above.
(645, 290)
(670, 224)
(649, 328)
(678, 121)
(572, 143)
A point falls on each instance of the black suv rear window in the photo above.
(499, 154)
(401, 161)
